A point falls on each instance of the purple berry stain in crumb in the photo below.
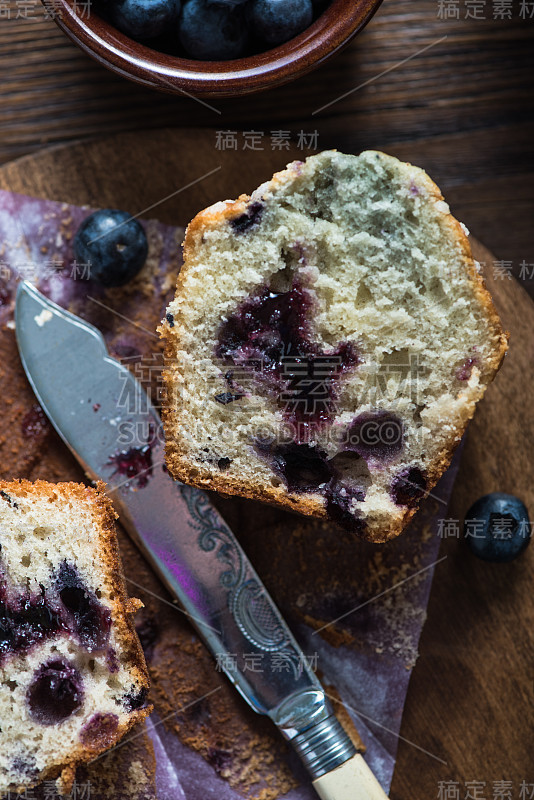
(414, 189)
(303, 467)
(87, 616)
(270, 335)
(463, 373)
(135, 699)
(25, 767)
(34, 423)
(376, 435)
(306, 468)
(170, 320)
(408, 487)
(339, 506)
(112, 662)
(55, 693)
(248, 219)
(25, 621)
(100, 731)
(135, 462)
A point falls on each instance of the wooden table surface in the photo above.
(463, 110)
(468, 714)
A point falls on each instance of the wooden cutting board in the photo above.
(471, 693)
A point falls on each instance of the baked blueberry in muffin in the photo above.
(330, 338)
(73, 677)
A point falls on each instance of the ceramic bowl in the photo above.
(331, 31)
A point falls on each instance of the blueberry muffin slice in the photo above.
(73, 679)
(328, 342)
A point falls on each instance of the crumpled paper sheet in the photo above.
(371, 671)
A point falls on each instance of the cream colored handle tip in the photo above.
(353, 780)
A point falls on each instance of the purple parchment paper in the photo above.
(372, 678)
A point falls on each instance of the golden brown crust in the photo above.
(103, 515)
(182, 470)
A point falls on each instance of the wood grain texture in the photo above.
(471, 695)
(463, 109)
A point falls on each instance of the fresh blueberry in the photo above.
(145, 19)
(277, 21)
(113, 244)
(212, 32)
(497, 527)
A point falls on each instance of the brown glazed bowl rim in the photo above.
(338, 23)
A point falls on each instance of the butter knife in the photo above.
(107, 420)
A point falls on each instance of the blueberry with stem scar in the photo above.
(497, 527)
(113, 244)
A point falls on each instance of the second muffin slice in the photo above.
(74, 679)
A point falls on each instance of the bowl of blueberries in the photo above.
(212, 48)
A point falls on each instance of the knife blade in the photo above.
(107, 420)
